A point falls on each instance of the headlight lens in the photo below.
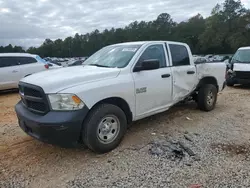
(65, 102)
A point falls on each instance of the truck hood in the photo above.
(53, 81)
(241, 67)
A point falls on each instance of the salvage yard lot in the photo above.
(220, 140)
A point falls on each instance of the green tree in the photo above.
(225, 30)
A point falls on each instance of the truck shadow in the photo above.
(176, 111)
(7, 92)
(245, 87)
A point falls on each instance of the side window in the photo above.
(8, 61)
(154, 52)
(26, 60)
(179, 55)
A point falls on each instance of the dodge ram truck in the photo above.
(93, 104)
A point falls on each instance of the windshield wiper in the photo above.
(98, 65)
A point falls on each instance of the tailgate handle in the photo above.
(165, 75)
(190, 72)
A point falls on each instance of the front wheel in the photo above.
(207, 97)
(104, 128)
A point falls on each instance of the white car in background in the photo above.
(15, 66)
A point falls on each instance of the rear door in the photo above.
(184, 72)
(29, 65)
(9, 73)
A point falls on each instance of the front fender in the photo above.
(120, 87)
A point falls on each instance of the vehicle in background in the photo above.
(53, 65)
(209, 57)
(199, 60)
(118, 84)
(72, 63)
(75, 63)
(239, 67)
(15, 66)
(220, 58)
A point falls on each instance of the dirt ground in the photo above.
(222, 141)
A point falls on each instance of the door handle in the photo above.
(165, 75)
(190, 72)
(14, 71)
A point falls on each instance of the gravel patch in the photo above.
(207, 149)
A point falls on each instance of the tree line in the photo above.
(224, 31)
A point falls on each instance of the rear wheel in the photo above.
(207, 97)
(104, 128)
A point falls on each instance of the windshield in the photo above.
(40, 59)
(241, 56)
(113, 56)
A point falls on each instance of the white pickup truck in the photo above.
(119, 84)
(239, 67)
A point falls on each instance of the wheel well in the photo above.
(121, 103)
(208, 80)
(27, 75)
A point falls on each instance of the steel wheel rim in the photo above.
(210, 98)
(108, 129)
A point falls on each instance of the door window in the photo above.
(8, 61)
(179, 55)
(153, 52)
(26, 60)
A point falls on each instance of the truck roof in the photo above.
(144, 42)
(245, 48)
(17, 54)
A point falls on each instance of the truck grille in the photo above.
(242, 74)
(34, 98)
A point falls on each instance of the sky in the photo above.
(29, 22)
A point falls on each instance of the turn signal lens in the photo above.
(76, 99)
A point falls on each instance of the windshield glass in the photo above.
(40, 59)
(241, 56)
(113, 56)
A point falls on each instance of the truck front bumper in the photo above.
(236, 80)
(238, 77)
(55, 127)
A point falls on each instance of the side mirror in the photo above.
(229, 60)
(149, 64)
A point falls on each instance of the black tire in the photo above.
(203, 95)
(91, 127)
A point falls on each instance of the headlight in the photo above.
(65, 102)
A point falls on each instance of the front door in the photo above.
(153, 88)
